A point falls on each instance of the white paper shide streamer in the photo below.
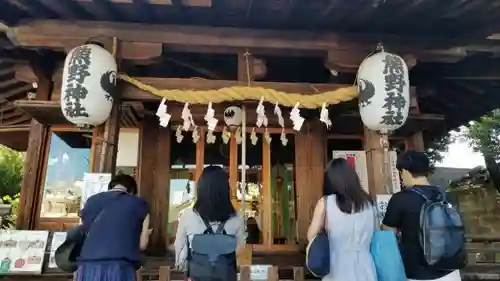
(324, 116)
(211, 137)
(187, 118)
(253, 137)
(161, 112)
(196, 134)
(210, 118)
(281, 122)
(297, 120)
(178, 134)
(261, 114)
(238, 136)
(225, 135)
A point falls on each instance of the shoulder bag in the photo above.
(318, 251)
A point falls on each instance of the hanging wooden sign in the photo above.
(357, 158)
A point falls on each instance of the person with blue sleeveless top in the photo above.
(347, 213)
(117, 223)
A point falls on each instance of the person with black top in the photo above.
(403, 216)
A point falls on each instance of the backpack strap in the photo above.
(208, 229)
(440, 191)
(220, 228)
(419, 192)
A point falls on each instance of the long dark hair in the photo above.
(213, 201)
(341, 179)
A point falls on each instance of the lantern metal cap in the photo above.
(380, 47)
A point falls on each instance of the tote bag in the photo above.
(386, 256)
(318, 252)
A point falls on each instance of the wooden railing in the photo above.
(483, 264)
(166, 274)
(483, 258)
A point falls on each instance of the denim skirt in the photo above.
(105, 271)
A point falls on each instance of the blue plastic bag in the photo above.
(386, 256)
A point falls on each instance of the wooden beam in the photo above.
(16, 92)
(132, 93)
(24, 72)
(140, 50)
(62, 8)
(61, 34)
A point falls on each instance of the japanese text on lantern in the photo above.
(394, 103)
(78, 70)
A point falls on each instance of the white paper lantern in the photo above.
(88, 85)
(232, 116)
(383, 92)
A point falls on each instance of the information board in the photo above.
(94, 183)
(22, 251)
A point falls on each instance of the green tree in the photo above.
(435, 148)
(484, 137)
(11, 171)
(10, 220)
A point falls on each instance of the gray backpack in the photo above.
(212, 256)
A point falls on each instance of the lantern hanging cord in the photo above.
(247, 65)
(384, 142)
(241, 93)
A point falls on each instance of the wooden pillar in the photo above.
(106, 152)
(161, 200)
(96, 151)
(310, 160)
(34, 162)
(415, 141)
(154, 179)
(109, 143)
(374, 162)
(148, 139)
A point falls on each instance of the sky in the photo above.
(460, 155)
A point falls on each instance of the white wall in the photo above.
(128, 148)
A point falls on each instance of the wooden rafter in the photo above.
(61, 34)
(16, 92)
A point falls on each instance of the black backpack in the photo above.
(212, 256)
(442, 232)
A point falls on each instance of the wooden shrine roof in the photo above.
(10, 87)
(473, 17)
(454, 50)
